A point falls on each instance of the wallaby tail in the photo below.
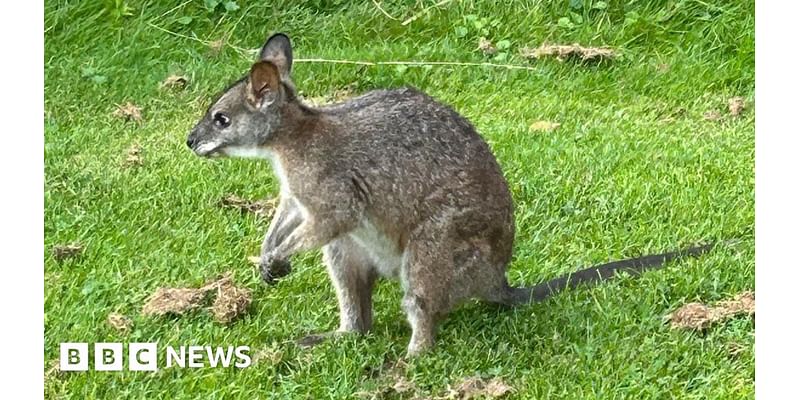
(599, 273)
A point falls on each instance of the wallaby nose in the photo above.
(190, 141)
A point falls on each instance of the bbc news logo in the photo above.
(144, 357)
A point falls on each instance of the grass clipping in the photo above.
(230, 301)
(544, 126)
(133, 156)
(175, 82)
(476, 387)
(62, 252)
(392, 383)
(564, 52)
(128, 112)
(119, 322)
(698, 316)
(261, 208)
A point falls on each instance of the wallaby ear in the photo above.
(264, 79)
(278, 50)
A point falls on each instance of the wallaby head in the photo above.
(246, 115)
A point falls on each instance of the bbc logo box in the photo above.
(108, 357)
(144, 356)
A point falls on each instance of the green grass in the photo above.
(616, 180)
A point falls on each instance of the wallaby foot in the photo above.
(314, 339)
(422, 326)
(317, 338)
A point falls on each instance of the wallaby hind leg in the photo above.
(422, 321)
(426, 274)
(353, 276)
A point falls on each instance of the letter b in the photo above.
(74, 357)
(108, 356)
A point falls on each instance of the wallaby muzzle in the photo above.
(191, 140)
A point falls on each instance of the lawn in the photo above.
(639, 164)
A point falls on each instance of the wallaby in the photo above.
(389, 184)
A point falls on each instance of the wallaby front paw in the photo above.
(273, 269)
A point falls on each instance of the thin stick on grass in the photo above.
(180, 35)
(245, 53)
(170, 11)
(249, 53)
(378, 5)
(424, 11)
(416, 63)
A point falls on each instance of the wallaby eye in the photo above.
(221, 120)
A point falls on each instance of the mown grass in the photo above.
(633, 169)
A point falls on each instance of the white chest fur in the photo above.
(382, 250)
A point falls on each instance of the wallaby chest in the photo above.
(384, 252)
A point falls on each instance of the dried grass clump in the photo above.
(168, 300)
(476, 387)
(119, 322)
(698, 316)
(133, 156)
(564, 52)
(175, 82)
(62, 252)
(261, 208)
(128, 112)
(712, 115)
(544, 126)
(485, 45)
(735, 106)
(230, 302)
